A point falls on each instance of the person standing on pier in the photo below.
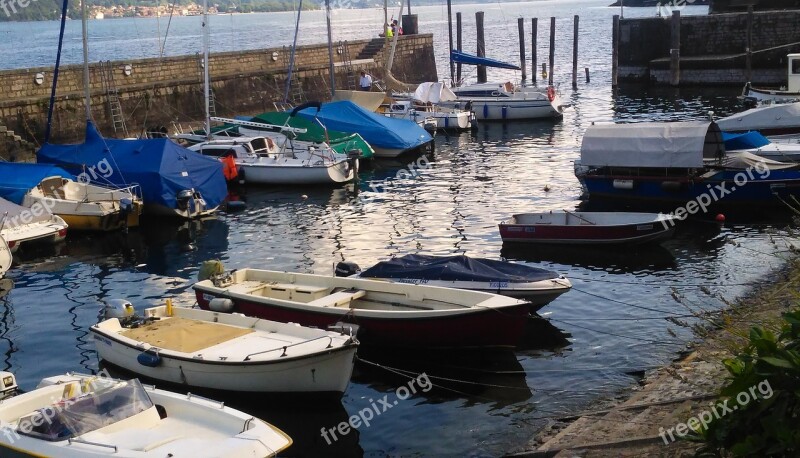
(365, 82)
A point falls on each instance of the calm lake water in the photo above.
(591, 343)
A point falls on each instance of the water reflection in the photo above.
(637, 258)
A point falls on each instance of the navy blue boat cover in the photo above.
(17, 178)
(460, 57)
(161, 167)
(747, 140)
(456, 268)
(378, 130)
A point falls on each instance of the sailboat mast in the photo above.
(86, 93)
(330, 47)
(450, 34)
(206, 65)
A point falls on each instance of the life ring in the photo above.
(551, 93)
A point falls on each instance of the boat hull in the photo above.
(471, 328)
(324, 373)
(108, 222)
(605, 235)
(769, 95)
(340, 172)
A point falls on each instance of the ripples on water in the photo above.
(595, 342)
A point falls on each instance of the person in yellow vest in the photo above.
(389, 31)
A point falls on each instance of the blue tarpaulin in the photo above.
(469, 59)
(161, 167)
(17, 178)
(378, 130)
(456, 268)
(747, 140)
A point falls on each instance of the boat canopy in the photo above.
(743, 141)
(434, 93)
(651, 144)
(17, 178)
(159, 166)
(771, 117)
(460, 57)
(456, 268)
(378, 130)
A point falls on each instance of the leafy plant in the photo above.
(769, 424)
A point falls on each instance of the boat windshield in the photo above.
(73, 415)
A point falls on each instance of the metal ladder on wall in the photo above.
(296, 94)
(347, 63)
(112, 97)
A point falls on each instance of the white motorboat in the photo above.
(440, 118)
(777, 119)
(83, 204)
(29, 225)
(264, 160)
(539, 286)
(783, 95)
(79, 416)
(389, 314)
(223, 351)
(506, 102)
(5, 257)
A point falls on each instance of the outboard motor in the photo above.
(184, 198)
(346, 269)
(8, 385)
(121, 309)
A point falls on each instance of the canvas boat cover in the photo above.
(17, 178)
(745, 160)
(744, 141)
(460, 57)
(651, 144)
(779, 116)
(378, 130)
(161, 167)
(370, 101)
(456, 268)
(12, 212)
(434, 93)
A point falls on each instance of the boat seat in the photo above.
(52, 187)
(342, 298)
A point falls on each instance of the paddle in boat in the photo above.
(588, 227)
(223, 351)
(388, 314)
(539, 286)
(79, 416)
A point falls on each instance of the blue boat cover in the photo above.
(17, 178)
(460, 57)
(747, 140)
(378, 130)
(161, 167)
(456, 268)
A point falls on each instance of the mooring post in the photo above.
(575, 53)
(587, 73)
(481, 46)
(749, 50)
(457, 82)
(450, 36)
(521, 27)
(614, 50)
(675, 50)
(534, 27)
(552, 49)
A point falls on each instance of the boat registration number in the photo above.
(644, 227)
(498, 284)
(103, 340)
(413, 281)
(208, 297)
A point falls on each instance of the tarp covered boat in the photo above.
(173, 180)
(388, 137)
(16, 179)
(540, 286)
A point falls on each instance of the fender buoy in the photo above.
(551, 93)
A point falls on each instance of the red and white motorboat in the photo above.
(387, 314)
(567, 227)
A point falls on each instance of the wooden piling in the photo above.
(534, 33)
(481, 46)
(675, 50)
(521, 27)
(458, 47)
(586, 69)
(552, 49)
(575, 53)
(749, 50)
(544, 70)
(450, 37)
(615, 51)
